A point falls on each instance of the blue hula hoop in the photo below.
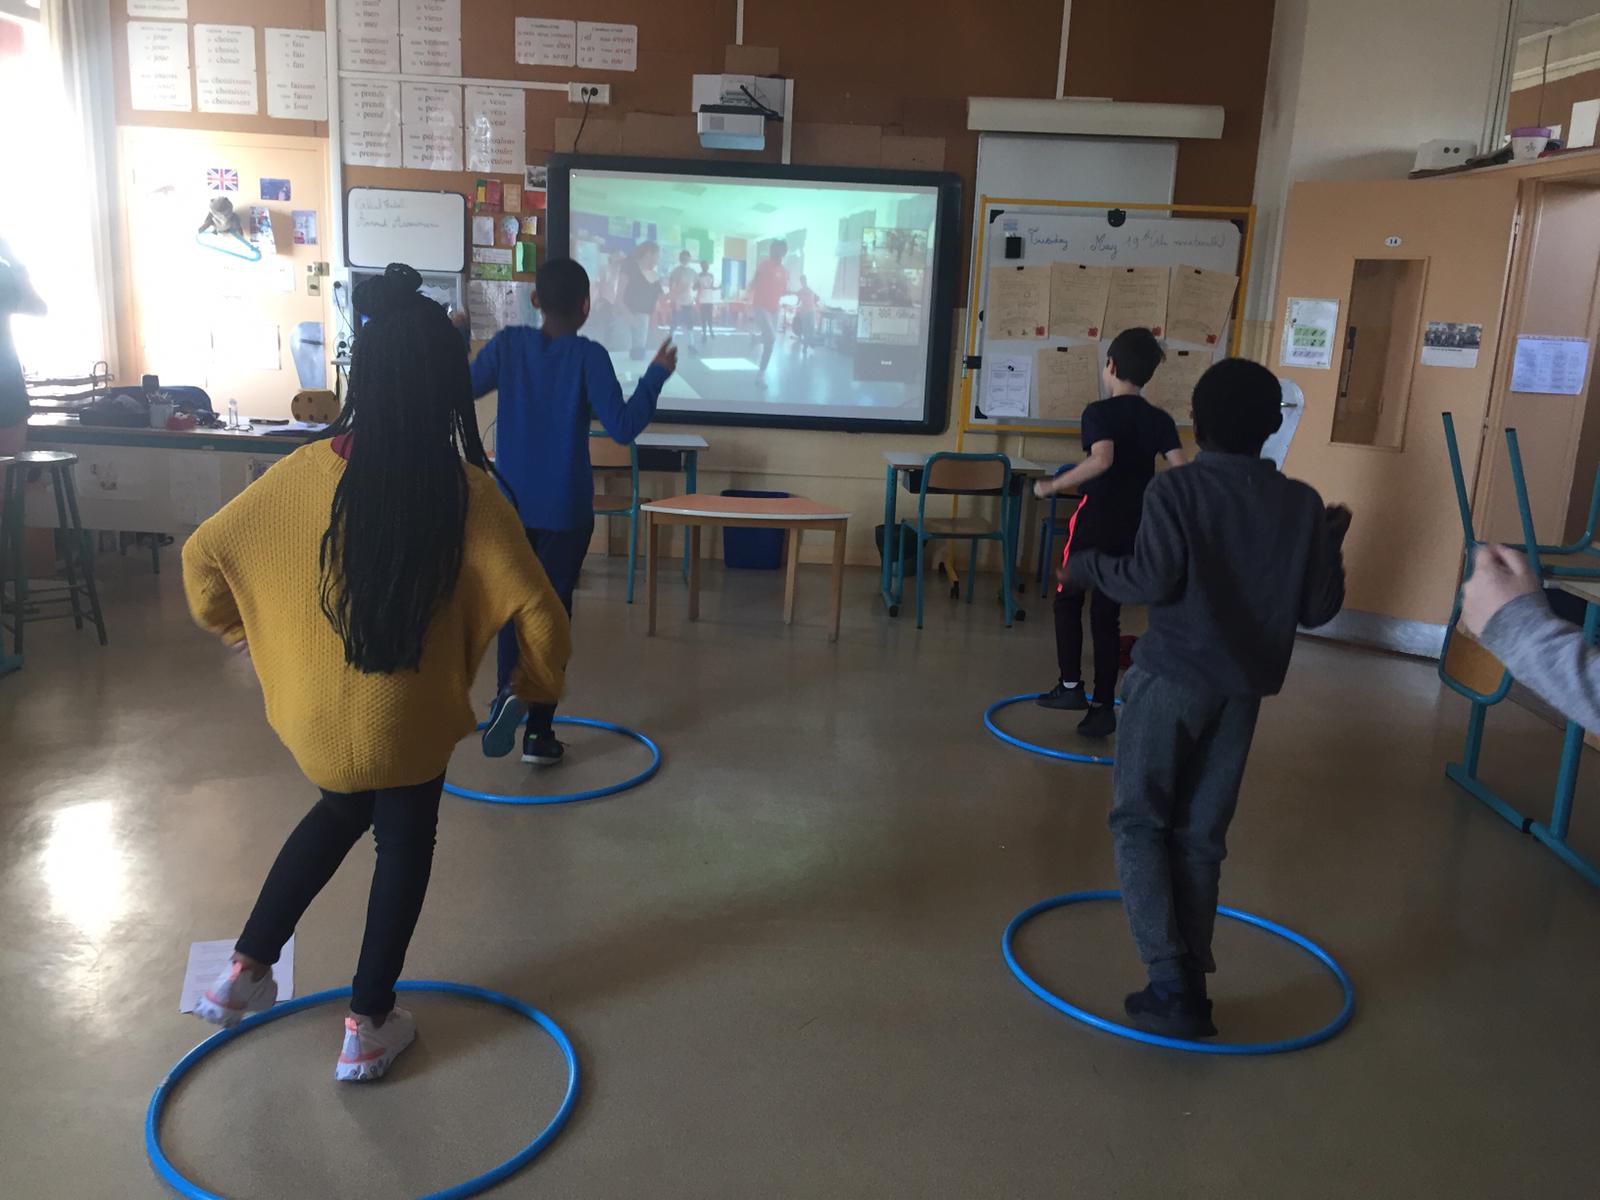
(573, 797)
(184, 1187)
(1346, 1011)
(1034, 747)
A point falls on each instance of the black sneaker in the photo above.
(1100, 722)
(500, 730)
(541, 749)
(1185, 1017)
(1064, 698)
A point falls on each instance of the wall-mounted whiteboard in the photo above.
(1052, 234)
(427, 230)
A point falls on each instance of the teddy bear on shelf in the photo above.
(222, 219)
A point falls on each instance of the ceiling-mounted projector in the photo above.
(726, 127)
(732, 111)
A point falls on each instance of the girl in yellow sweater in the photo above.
(365, 576)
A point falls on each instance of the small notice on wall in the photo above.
(1171, 389)
(225, 68)
(1008, 384)
(1309, 331)
(158, 66)
(369, 124)
(430, 37)
(168, 10)
(430, 126)
(495, 130)
(369, 35)
(1550, 366)
(1451, 344)
(546, 43)
(297, 74)
(607, 47)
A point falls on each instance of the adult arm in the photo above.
(625, 420)
(1322, 592)
(17, 293)
(1549, 655)
(1155, 571)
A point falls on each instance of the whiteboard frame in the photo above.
(437, 267)
(974, 348)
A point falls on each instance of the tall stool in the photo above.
(78, 590)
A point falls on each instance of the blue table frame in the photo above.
(687, 448)
(1554, 832)
(904, 462)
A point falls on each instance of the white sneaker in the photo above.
(369, 1049)
(236, 993)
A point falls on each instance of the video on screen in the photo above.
(787, 298)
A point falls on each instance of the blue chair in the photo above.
(1575, 560)
(1050, 528)
(962, 475)
(605, 454)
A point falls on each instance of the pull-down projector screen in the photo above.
(798, 297)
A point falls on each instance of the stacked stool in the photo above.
(75, 592)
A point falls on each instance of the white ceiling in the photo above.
(1541, 16)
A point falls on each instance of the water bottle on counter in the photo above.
(233, 414)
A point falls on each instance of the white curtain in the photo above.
(79, 36)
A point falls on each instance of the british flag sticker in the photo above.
(222, 179)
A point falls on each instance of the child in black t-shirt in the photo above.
(1122, 436)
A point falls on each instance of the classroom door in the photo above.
(1398, 258)
(239, 315)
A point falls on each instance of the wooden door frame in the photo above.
(1525, 232)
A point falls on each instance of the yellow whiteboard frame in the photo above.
(1247, 211)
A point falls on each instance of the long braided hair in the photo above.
(392, 551)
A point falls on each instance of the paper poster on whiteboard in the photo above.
(1008, 383)
(1309, 333)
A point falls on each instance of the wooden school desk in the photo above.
(903, 462)
(794, 513)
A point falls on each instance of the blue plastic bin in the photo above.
(753, 549)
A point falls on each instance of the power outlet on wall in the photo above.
(592, 93)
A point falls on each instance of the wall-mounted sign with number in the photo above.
(1392, 241)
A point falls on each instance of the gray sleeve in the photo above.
(1549, 655)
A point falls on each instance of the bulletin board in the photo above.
(1069, 251)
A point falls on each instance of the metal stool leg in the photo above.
(72, 547)
(15, 477)
(88, 559)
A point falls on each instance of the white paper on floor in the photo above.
(206, 961)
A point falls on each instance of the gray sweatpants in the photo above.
(1180, 758)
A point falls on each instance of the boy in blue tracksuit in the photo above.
(552, 384)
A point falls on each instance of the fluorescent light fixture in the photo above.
(1103, 118)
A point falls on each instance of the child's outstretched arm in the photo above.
(486, 369)
(1101, 455)
(1155, 571)
(1322, 595)
(1504, 605)
(210, 598)
(625, 420)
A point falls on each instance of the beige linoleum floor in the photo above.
(780, 959)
